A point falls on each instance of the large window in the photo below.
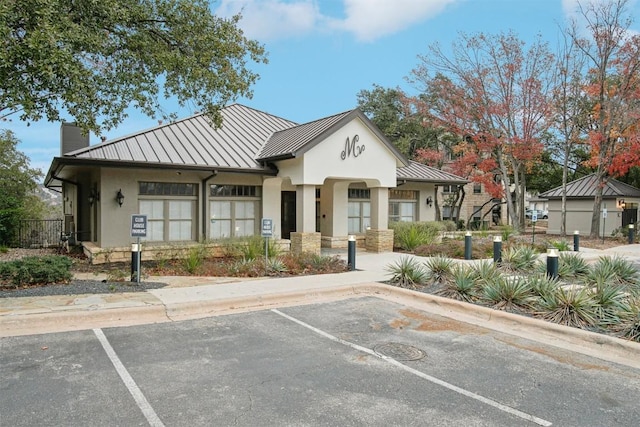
(359, 210)
(170, 210)
(234, 210)
(448, 213)
(403, 205)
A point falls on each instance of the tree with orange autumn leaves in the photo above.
(494, 93)
(613, 85)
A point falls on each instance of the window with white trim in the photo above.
(170, 209)
(359, 210)
(403, 205)
(234, 210)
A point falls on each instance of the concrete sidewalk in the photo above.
(197, 297)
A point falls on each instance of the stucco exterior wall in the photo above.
(579, 214)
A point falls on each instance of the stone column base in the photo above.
(305, 242)
(379, 240)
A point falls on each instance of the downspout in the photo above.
(204, 204)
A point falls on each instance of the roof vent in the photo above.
(72, 138)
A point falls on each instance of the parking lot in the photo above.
(359, 361)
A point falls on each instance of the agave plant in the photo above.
(507, 293)
(407, 272)
(611, 300)
(623, 270)
(439, 268)
(485, 272)
(541, 284)
(571, 264)
(629, 325)
(462, 285)
(276, 265)
(571, 306)
(519, 258)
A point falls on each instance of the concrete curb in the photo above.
(572, 339)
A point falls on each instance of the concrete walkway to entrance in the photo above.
(198, 297)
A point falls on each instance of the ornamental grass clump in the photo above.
(616, 269)
(542, 285)
(407, 272)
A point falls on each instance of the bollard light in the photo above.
(632, 235)
(497, 249)
(576, 240)
(552, 263)
(351, 253)
(135, 262)
(467, 245)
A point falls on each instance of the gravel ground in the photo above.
(77, 287)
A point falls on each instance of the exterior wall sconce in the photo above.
(429, 201)
(120, 197)
(94, 196)
(621, 204)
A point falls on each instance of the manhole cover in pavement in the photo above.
(399, 351)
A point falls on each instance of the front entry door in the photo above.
(288, 213)
(629, 216)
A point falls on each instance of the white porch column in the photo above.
(271, 201)
(306, 208)
(334, 204)
(379, 208)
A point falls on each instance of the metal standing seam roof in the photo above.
(193, 142)
(586, 188)
(246, 138)
(422, 173)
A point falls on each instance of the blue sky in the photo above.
(323, 52)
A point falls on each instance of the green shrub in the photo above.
(35, 270)
(409, 235)
(194, 259)
(407, 272)
(561, 245)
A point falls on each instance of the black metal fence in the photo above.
(39, 233)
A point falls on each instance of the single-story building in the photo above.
(619, 201)
(318, 182)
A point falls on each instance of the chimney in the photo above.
(72, 138)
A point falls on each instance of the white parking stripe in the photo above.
(434, 380)
(128, 381)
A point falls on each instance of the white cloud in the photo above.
(273, 19)
(371, 19)
(367, 20)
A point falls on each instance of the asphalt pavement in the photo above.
(335, 349)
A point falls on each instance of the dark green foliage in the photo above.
(95, 59)
(36, 270)
(17, 181)
(410, 235)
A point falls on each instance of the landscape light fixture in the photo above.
(120, 197)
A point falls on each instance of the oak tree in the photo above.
(94, 59)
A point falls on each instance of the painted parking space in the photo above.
(360, 361)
